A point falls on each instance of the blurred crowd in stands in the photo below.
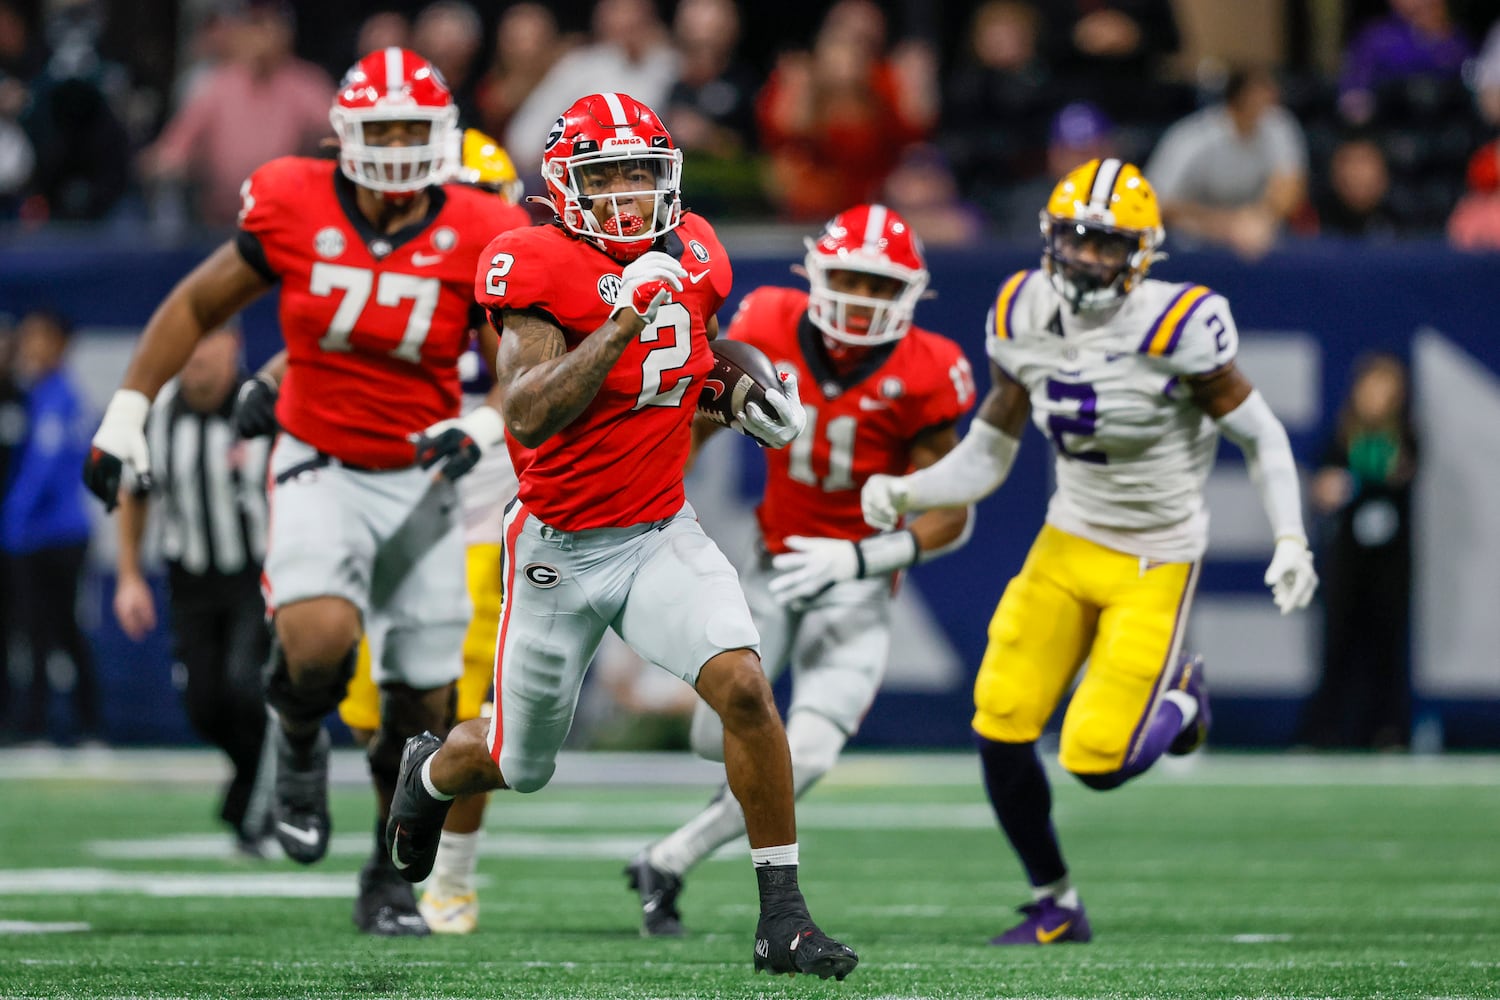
(1367, 118)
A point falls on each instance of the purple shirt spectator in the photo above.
(1395, 48)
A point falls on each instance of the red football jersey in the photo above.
(374, 324)
(620, 461)
(857, 425)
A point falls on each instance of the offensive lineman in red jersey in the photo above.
(605, 320)
(880, 395)
(375, 260)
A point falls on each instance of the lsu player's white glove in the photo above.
(119, 445)
(646, 283)
(782, 427)
(459, 444)
(883, 500)
(1291, 576)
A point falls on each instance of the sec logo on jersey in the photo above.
(609, 287)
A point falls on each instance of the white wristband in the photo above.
(129, 407)
(485, 425)
(885, 553)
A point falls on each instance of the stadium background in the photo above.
(1306, 311)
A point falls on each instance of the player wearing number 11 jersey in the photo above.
(1133, 380)
(374, 257)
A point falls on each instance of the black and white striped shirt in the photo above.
(210, 485)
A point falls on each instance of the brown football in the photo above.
(741, 375)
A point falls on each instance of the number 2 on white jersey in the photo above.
(391, 290)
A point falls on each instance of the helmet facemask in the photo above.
(1093, 265)
(394, 169)
(841, 314)
(618, 181)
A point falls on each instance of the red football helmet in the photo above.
(393, 84)
(875, 240)
(601, 138)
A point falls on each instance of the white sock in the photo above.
(457, 859)
(777, 857)
(718, 824)
(1186, 703)
(427, 782)
(1061, 892)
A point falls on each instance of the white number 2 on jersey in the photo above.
(391, 290)
(671, 353)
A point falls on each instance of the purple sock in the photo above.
(1022, 800)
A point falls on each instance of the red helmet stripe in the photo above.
(395, 72)
(874, 228)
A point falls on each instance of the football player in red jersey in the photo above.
(881, 396)
(605, 319)
(375, 260)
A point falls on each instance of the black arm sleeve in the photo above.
(248, 244)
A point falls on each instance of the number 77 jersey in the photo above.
(374, 323)
(619, 462)
(1133, 450)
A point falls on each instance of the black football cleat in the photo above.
(386, 905)
(659, 891)
(416, 823)
(791, 943)
(301, 798)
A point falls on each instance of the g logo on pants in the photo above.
(542, 576)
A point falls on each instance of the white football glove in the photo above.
(647, 282)
(119, 445)
(781, 428)
(1291, 576)
(813, 565)
(883, 500)
(459, 444)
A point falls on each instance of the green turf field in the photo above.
(1230, 877)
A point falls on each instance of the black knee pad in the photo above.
(316, 696)
(404, 713)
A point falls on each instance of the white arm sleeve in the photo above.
(1254, 428)
(973, 470)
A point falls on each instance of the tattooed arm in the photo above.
(545, 385)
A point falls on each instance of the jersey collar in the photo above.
(382, 245)
(829, 380)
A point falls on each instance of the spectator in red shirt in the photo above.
(835, 120)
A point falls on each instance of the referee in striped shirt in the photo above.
(209, 486)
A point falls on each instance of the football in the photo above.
(741, 375)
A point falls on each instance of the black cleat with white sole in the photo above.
(416, 823)
(386, 905)
(300, 810)
(659, 891)
(791, 943)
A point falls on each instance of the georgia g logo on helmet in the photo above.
(1101, 232)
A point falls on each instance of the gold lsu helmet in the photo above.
(1101, 231)
(484, 163)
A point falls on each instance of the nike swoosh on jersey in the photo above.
(423, 259)
(866, 403)
(308, 837)
(695, 278)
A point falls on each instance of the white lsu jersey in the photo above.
(492, 483)
(1132, 450)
